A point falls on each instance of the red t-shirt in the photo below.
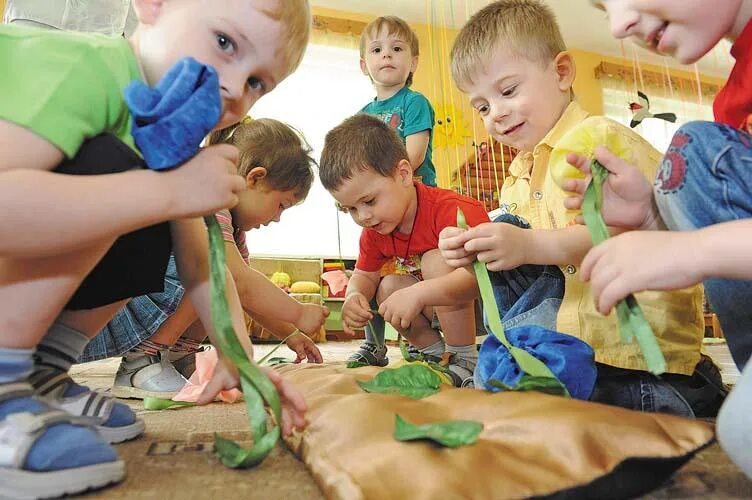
(733, 104)
(437, 209)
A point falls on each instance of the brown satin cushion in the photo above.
(532, 445)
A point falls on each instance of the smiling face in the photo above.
(387, 59)
(259, 205)
(683, 29)
(521, 100)
(236, 37)
(375, 201)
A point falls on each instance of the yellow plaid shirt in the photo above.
(676, 317)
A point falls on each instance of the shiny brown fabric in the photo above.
(532, 444)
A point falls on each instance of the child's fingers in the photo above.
(314, 355)
(581, 162)
(214, 387)
(613, 163)
(572, 202)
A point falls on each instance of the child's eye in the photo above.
(256, 84)
(508, 92)
(482, 109)
(376, 50)
(397, 48)
(370, 202)
(225, 43)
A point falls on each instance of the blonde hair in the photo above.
(526, 27)
(396, 26)
(296, 17)
(277, 147)
(359, 143)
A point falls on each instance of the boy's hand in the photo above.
(501, 246)
(452, 246)
(293, 405)
(304, 348)
(641, 260)
(206, 183)
(312, 316)
(356, 312)
(402, 307)
(627, 196)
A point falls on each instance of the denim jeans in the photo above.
(705, 178)
(138, 320)
(530, 294)
(528, 299)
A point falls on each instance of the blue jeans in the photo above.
(705, 178)
(530, 294)
(138, 320)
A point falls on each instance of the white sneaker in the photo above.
(142, 375)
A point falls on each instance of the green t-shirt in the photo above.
(408, 112)
(66, 87)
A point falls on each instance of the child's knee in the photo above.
(390, 284)
(433, 265)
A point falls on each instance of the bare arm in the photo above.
(363, 283)
(417, 146)
(560, 247)
(191, 245)
(258, 295)
(48, 213)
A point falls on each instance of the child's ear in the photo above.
(565, 70)
(405, 173)
(364, 68)
(254, 175)
(147, 11)
(414, 65)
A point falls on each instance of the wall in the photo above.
(447, 100)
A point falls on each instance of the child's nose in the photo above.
(623, 23)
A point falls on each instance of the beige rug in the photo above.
(174, 458)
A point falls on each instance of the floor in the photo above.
(174, 459)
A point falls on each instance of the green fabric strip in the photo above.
(632, 322)
(257, 388)
(534, 370)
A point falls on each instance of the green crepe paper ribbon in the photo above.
(256, 386)
(152, 403)
(632, 322)
(413, 381)
(535, 374)
(450, 434)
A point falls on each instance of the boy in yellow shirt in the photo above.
(511, 60)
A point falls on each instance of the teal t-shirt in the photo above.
(66, 87)
(408, 112)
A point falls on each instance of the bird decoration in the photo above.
(641, 110)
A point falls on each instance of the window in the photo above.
(314, 102)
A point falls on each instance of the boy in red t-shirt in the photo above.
(365, 166)
(702, 193)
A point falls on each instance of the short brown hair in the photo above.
(396, 26)
(277, 147)
(527, 27)
(295, 15)
(359, 143)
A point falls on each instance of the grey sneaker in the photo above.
(185, 362)
(141, 375)
(369, 354)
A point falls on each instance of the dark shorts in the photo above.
(136, 263)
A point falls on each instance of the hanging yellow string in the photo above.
(699, 88)
(431, 57)
(639, 67)
(668, 77)
(476, 145)
(492, 157)
(458, 114)
(448, 102)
